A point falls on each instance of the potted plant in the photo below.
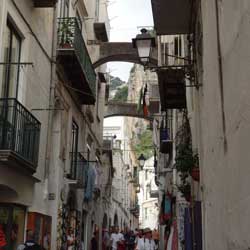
(195, 173)
(66, 33)
(184, 160)
(185, 189)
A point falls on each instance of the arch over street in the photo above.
(123, 109)
(121, 52)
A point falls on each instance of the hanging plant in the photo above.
(195, 173)
(185, 189)
(184, 160)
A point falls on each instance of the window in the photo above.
(146, 174)
(79, 20)
(178, 46)
(12, 220)
(97, 9)
(146, 213)
(11, 54)
(64, 8)
(135, 172)
(74, 149)
(147, 193)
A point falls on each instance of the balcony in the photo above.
(75, 60)
(166, 141)
(172, 88)
(19, 136)
(154, 193)
(135, 210)
(44, 3)
(154, 98)
(138, 190)
(135, 181)
(78, 170)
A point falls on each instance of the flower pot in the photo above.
(66, 45)
(195, 174)
(188, 197)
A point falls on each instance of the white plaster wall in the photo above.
(225, 171)
(146, 202)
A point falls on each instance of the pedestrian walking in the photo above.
(105, 239)
(30, 243)
(130, 240)
(94, 241)
(146, 243)
(116, 239)
(156, 237)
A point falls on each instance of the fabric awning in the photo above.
(171, 16)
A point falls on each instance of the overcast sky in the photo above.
(126, 19)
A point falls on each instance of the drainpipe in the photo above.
(221, 77)
(53, 80)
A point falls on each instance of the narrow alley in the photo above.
(124, 124)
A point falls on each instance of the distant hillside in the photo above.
(115, 82)
(121, 94)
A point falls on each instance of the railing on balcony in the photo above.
(44, 3)
(70, 38)
(166, 134)
(19, 131)
(78, 169)
(135, 210)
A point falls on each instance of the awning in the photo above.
(171, 16)
(172, 88)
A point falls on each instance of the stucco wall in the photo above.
(224, 152)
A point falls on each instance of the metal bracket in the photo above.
(47, 109)
(17, 63)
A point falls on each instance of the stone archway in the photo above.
(122, 52)
(124, 109)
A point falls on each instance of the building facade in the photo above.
(125, 211)
(52, 103)
(214, 126)
(148, 196)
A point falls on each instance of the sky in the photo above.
(127, 17)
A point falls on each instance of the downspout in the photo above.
(221, 77)
(53, 80)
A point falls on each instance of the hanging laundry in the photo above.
(167, 207)
(3, 241)
(90, 183)
(175, 236)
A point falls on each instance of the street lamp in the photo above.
(144, 43)
(141, 160)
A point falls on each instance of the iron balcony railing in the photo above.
(70, 37)
(166, 130)
(135, 208)
(19, 130)
(78, 169)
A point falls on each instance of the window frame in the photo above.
(74, 148)
(8, 67)
(11, 207)
(64, 4)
